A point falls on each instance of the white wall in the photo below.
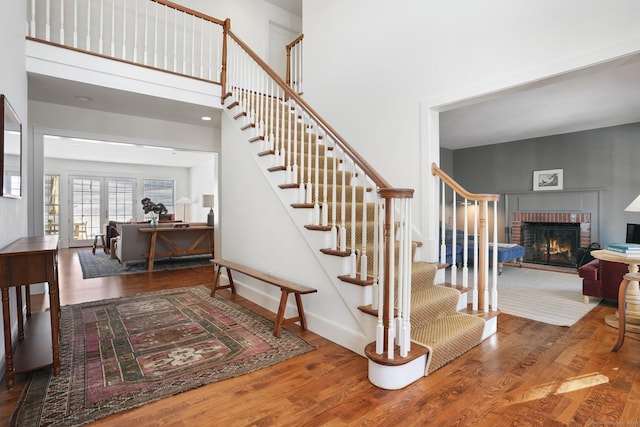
(385, 64)
(204, 180)
(13, 84)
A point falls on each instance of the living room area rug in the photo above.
(122, 353)
(102, 265)
(545, 296)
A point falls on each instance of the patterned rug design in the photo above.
(102, 265)
(122, 353)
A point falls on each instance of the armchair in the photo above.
(601, 279)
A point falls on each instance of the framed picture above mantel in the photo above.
(550, 179)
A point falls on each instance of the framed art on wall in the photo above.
(551, 179)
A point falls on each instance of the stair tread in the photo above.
(448, 337)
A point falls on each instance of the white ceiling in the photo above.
(603, 95)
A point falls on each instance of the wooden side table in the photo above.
(631, 316)
(27, 261)
(174, 240)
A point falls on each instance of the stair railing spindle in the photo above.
(494, 279)
(62, 21)
(354, 225)
(75, 23)
(124, 29)
(325, 180)
(316, 180)
(363, 256)
(88, 36)
(309, 150)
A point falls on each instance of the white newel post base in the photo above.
(398, 376)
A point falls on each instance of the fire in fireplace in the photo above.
(551, 243)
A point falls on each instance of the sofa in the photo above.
(601, 279)
(132, 245)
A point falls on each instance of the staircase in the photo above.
(436, 324)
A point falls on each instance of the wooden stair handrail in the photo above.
(190, 11)
(290, 93)
(435, 170)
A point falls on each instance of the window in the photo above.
(51, 203)
(120, 194)
(160, 191)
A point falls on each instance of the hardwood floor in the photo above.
(529, 374)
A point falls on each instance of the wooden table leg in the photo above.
(622, 301)
(28, 297)
(54, 308)
(19, 313)
(152, 250)
(8, 351)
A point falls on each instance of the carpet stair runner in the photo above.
(435, 321)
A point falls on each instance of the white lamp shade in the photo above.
(207, 200)
(634, 206)
(183, 201)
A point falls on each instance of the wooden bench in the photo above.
(285, 286)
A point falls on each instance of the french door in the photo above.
(95, 201)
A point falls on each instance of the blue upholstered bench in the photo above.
(506, 252)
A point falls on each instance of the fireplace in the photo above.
(557, 256)
(551, 243)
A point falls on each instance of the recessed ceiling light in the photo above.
(84, 98)
(205, 118)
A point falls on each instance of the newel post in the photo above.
(223, 70)
(483, 253)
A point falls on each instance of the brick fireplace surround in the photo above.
(552, 217)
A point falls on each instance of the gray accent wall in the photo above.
(601, 170)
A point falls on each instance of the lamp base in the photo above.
(210, 219)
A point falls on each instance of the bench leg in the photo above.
(216, 281)
(280, 320)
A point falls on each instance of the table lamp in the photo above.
(634, 206)
(184, 201)
(207, 202)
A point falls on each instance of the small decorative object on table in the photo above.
(207, 202)
(155, 209)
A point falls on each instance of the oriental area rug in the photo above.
(102, 265)
(122, 353)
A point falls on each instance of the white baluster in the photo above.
(475, 256)
(334, 203)
(316, 179)
(309, 192)
(184, 43)
(202, 48)
(175, 41)
(166, 38)
(124, 29)
(325, 179)
(135, 32)
(343, 208)
(354, 258)
(155, 35)
(75, 23)
(363, 257)
(88, 38)
(32, 30)
(61, 21)
(193, 45)
(113, 27)
(391, 290)
(47, 26)
(101, 36)
(494, 282)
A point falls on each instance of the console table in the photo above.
(180, 241)
(26, 261)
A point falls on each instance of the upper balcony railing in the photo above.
(294, 64)
(152, 33)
